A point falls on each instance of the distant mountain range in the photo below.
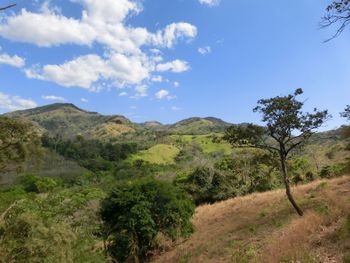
(68, 120)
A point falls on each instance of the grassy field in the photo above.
(205, 142)
(158, 154)
(263, 227)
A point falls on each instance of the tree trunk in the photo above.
(286, 183)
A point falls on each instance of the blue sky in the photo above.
(169, 60)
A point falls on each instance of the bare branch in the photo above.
(7, 7)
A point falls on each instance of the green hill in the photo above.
(67, 120)
(198, 126)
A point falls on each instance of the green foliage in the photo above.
(37, 184)
(299, 170)
(28, 238)
(18, 140)
(94, 155)
(330, 171)
(136, 212)
(59, 226)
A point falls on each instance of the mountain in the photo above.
(67, 120)
(198, 125)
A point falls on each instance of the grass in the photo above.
(110, 129)
(263, 227)
(162, 154)
(205, 142)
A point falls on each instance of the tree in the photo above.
(7, 6)
(346, 113)
(136, 212)
(18, 139)
(338, 12)
(287, 127)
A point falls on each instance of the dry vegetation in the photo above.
(263, 227)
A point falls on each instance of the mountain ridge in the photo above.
(68, 120)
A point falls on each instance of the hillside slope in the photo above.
(263, 227)
(67, 120)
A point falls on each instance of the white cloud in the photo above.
(52, 97)
(164, 94)
(86, 71)
(157, 78)
(101, 22)
(84, 100)
(176, 66)
(176, 84)
(14, 61)
(123, 94)
(174, 108)
(141, 91)
(210, 3)
(124, 62)
(169, 36)
(12, 103)
(204, 50)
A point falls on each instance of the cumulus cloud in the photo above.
(84, 100)
(176, 84)
(52, 97)
(164, 94)
(12, 103)
(101, 22)
(86, 71)
(204, 50)
(170, 35)
(176, 66)
(210, 3)
(124, 62)
(14, 61)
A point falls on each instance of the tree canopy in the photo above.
(337, 13)
(135, 213)
(346, 113)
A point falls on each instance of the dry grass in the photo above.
(263, 227)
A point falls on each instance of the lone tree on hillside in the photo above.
(7, 6)
(338, 12)
(287, 128)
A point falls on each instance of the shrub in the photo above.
(207, 185)
(136, 212)
(330, 171)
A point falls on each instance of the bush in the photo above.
(207, 185)
(330, 171)
(136, 212)
(37, 184)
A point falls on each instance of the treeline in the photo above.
(94, 155)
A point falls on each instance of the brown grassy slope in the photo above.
(263, 227)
